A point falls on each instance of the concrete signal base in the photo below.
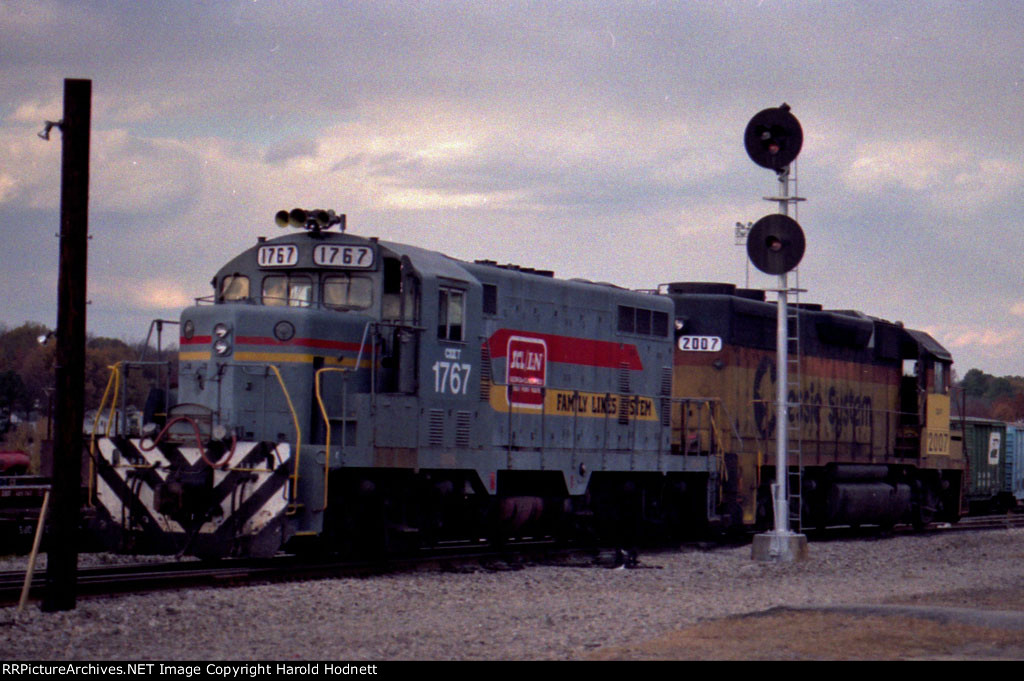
(779, 547)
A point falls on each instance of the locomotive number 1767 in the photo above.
(451, 377)
(355, 257)
(285, 255)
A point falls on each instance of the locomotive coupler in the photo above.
(186, 494)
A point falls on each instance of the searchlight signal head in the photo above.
(776, 244)
(314, 220)
(773, 138)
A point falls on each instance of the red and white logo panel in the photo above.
(527, 371)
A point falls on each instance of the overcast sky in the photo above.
(603, 140)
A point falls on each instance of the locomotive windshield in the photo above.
(337, 291)
(293, 290)
(344, 292)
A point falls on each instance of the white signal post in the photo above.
(775, 244)
(784, 545)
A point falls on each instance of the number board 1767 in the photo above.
(350, 257)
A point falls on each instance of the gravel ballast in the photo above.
(541, 612)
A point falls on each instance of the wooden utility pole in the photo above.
(62, 561)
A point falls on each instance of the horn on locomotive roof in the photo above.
(313, 220)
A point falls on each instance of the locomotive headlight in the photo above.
(221, 338)
(189, 329)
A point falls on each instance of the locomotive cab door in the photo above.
(908, 431)
(936, 440)
(924, 407)
(910, 390)
(408, 334)
(401, 327)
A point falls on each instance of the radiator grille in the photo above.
(436, 421)
(485, 373)
(624, 391)
(462, 421)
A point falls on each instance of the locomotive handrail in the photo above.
(298, 431)
(723, 472)
(758, 448)
(345, 371)
(716, 443)
(114, 380)
(327, 420)
(892, 421)
(115, 369)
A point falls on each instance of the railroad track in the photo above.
(157, 576)
(140, 577)
(1003, 521)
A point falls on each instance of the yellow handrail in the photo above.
(298, 432)
(327, 423)
(323, 408)
(114, 379)
(722, 470)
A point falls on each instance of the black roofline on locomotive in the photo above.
(850, 328)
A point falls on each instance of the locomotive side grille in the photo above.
(485, 373)
(623, 378)
(462, 420)
(666, 400)
(436, 425)
(624, 393)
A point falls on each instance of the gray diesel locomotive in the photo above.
(350, 394)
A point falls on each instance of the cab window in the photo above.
(343, 292)
(293, 290)
(391, 299)
(234, 287)
(940, 383)
(450, 309)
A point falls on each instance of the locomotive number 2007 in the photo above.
(699, 343)
(938, 442)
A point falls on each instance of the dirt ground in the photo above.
(961, 625)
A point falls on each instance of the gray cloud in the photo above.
(520, 130)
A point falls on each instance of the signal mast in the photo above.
(776, 245)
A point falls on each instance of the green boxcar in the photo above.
(985, 450)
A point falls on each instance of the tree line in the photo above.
(27, 370)
(986, 396)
